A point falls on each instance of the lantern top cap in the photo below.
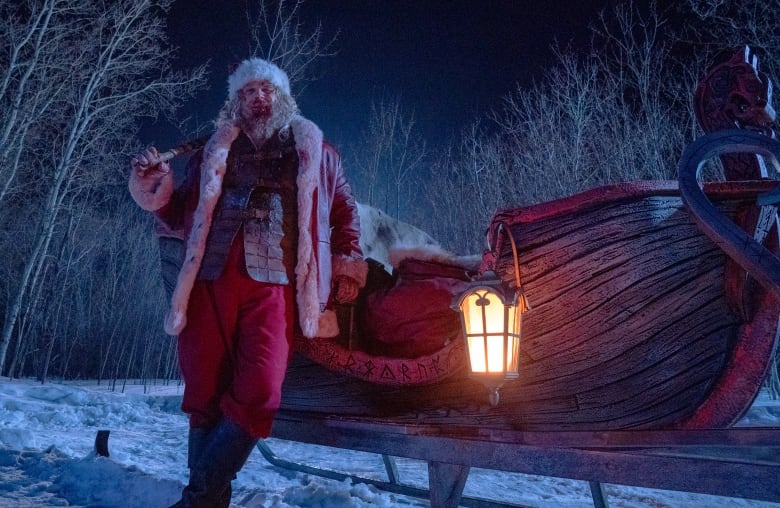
(488, 281)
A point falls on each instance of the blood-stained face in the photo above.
(257, 99)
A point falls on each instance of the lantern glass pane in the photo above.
(483, 312)
(472, 314)
(495, 347)
(512, 358)
(515, 318)
(477, 353)
(494, 313)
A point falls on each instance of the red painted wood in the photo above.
(426, 369)
(743, 375)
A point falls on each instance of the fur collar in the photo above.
(308, 141)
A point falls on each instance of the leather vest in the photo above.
(259, 193)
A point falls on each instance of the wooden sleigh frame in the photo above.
(738, 462)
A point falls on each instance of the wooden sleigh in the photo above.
(653, 304)
(654, 319)
(647, 340)
(639, 320)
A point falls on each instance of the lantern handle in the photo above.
(501, 227)
(516, 263)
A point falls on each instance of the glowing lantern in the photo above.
(492, 317)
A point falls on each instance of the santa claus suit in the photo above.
(269, 222)
(235, 332)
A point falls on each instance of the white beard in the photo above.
(259, 129)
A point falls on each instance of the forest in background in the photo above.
(80, 289)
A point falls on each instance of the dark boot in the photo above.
(196, 442)
(198, 438)
(226, 450)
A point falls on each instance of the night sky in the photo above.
(448, 61)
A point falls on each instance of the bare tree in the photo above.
(28, 86)
(278, 35)
(463, 191)
(112, 69)
(715, 25)
(389, 160)
(609, 115)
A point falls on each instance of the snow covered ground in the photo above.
(47, 434)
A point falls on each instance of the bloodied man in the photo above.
(271, 231)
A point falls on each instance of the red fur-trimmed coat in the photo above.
(328, 223)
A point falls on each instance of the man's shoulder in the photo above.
(308, 134)
(327, 146)
(302, 125)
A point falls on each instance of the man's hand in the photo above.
(345, 289)
(150, 181)
(146, 162)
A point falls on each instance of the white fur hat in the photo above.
(257, 69)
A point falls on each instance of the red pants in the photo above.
(235, 348)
